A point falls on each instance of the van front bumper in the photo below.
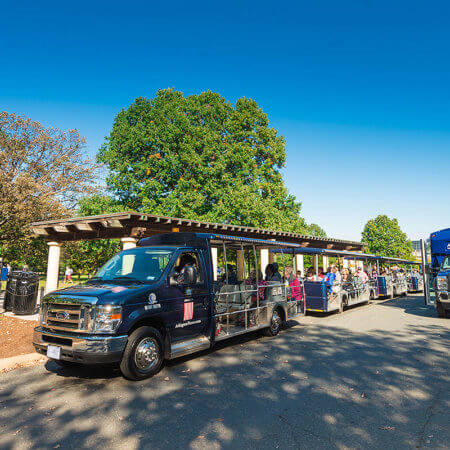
(91, 349)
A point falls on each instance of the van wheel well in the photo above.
(150, 322)
(282, 313)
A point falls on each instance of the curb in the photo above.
(15, 362)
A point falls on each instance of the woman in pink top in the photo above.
(363, 275)
(294, 283)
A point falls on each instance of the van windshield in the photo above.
(446, 263)
(142, 264)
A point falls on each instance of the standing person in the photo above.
(68, 275)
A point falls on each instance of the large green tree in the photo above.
(385, 237)
(201, 157)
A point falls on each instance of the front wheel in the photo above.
(143, 355)
(275, 323)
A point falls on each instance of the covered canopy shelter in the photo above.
(132, 226)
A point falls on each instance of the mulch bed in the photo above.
(16, 336)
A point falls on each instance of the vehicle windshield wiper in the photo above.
(126, 277)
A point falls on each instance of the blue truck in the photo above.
(164, 299)
(440, 270)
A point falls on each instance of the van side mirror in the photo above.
(189, 275)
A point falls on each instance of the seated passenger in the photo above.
(335, 279)
(232, 275)
(329, 278)
(347, 277)
(362, 275)
(311, 275)
(272, 273)
(299, 275)
(276, 275)
(294, 283)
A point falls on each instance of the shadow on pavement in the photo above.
(314, 386)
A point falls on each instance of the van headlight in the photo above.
(441, 283)
(107, 318)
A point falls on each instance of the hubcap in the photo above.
(146, 354)
(276, 321)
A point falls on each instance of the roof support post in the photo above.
(299, 264)
(240, 264)
(214, 262)
(54, 254)
(128, 242)
(264, 257)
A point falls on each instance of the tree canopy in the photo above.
(384, 237)
(42, 171)
(200, 157)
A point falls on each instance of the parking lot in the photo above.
(376, 376)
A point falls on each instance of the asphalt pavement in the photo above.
(376, 376)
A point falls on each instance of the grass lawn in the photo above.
(61, 285)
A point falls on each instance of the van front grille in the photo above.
(67, 316)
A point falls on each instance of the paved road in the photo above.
(376, 376)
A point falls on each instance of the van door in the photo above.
(191, 312)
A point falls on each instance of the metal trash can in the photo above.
(10, 290)
(25, 298)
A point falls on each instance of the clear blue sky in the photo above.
(359, 89)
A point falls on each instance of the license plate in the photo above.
(54, 352)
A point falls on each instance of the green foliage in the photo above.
(202, 158)
(384, 237)
(315, 230)
(87, 256)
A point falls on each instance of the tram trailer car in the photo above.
(139, 310)
(440, 266)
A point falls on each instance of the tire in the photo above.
(276, 321)
(440, 310)
(143, 355)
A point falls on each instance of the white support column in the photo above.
(54, 253)
(299, 263)
(325, 263)
(214, 262)
(316, 264)
(345, 263)
(240, 264)
(128, 242)
(264, 260)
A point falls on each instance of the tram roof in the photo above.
(328, 252)
(140, 225)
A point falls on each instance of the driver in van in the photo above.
(186, 262)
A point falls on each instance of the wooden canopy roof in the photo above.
(138, 225)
